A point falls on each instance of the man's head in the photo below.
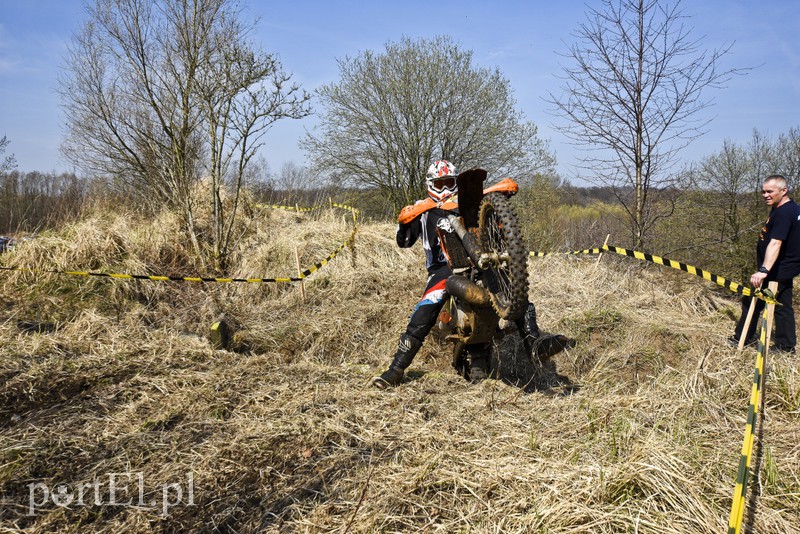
(441, 180)
(775, 190)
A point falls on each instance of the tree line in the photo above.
(34, 200)
(167, 102)
(716, 221)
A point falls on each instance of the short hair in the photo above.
(783, 183)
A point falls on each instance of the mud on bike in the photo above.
(489, 260)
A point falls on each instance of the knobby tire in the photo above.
(499, 233)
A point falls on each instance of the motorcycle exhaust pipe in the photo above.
(467, 290)
(469, 241)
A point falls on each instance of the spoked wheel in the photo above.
(507, 278)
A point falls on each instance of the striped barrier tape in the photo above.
(576, 252)
(351, 209)
(740, 491)
(765, 295)
(284, 207)
(733, 286)
(163, 278)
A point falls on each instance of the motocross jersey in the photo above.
(425, 226)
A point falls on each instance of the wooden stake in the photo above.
(600, 256)
(746, 327)
(299, 274)
(773, 286)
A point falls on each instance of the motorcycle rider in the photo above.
(442, 189)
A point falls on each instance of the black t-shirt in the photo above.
(783, 223)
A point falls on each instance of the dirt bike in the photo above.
(486, 252)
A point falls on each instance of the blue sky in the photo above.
(522, 38)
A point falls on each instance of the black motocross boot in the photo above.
(478, 369)
(540, 345)
(529, 327)
(478, 362)
(407, 348)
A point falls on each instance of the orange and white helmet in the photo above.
(441, 180)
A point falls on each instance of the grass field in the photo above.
(117, 414)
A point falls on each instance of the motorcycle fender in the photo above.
(409, 213)
(506, 185)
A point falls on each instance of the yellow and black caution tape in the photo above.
(576, 252)
(765, 295)
(164, 278)
(284, 207)
(155, 278)
(733, 286)
(740, 491)
(351, 209)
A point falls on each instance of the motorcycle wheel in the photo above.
(507, 279)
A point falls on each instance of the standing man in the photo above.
(778, 255)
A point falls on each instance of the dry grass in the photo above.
(636, 429)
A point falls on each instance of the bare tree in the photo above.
(728, 196)
(9, 162)
(162, 93)
(729, 179)
(294, 177)
(390, 114)
(31, 201)
(633, 98)
(787, 158)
